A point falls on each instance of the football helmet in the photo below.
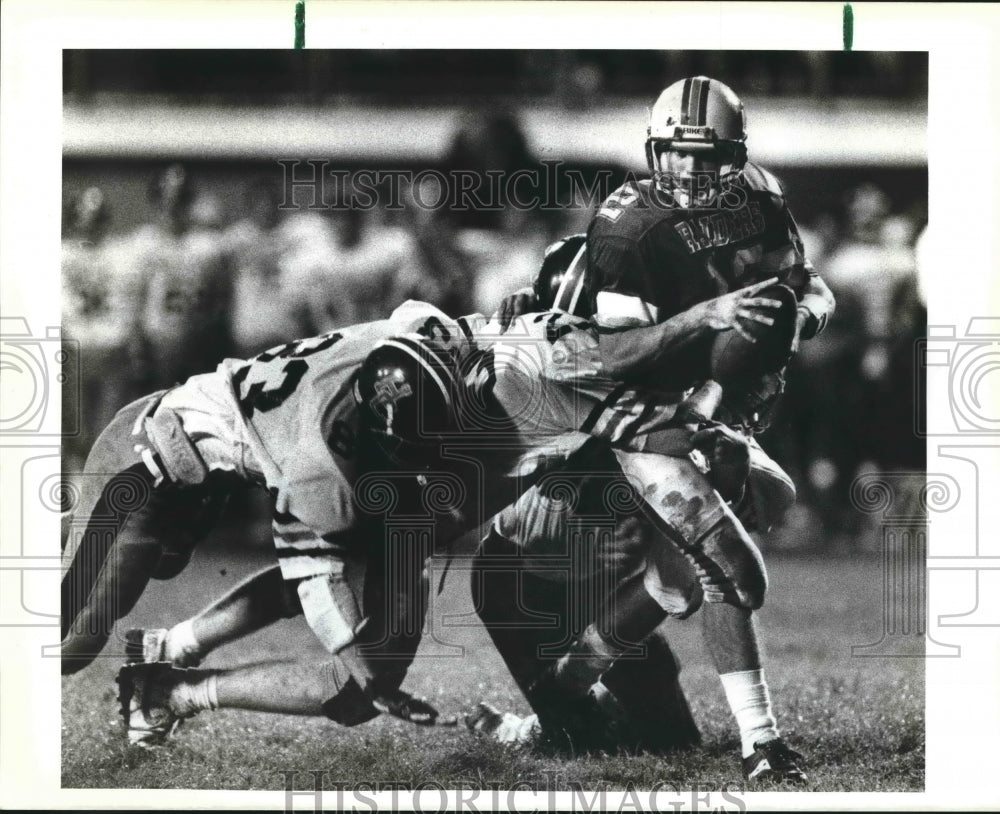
(561, 281)
(696, 140)
(406, 392)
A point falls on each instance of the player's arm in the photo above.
(313, 563)
(550, 387)
(815, 308)
(625, 353)
(548, 375)
(788, 259)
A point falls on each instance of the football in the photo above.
(735, 359)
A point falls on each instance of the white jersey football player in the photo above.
(288, 420)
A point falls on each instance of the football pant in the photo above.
(128, 525)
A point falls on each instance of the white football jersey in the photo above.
(545, 372)
(293, 419)
(298, 408)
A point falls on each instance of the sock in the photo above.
(750, 702)
(181, 647)
(189, 697)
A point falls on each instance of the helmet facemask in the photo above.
(695, 174)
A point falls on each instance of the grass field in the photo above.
(860, 722)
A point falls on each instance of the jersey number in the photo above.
(263, 398)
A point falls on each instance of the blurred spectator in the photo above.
(270, 301)
(364, 267)
(501, 243)
(421, 76)
(819, 238)
(847, 393)
(187, 302)
(102, 304)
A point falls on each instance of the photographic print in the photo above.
(476, 426)
(501, 184)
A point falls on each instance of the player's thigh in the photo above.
(682, 503)
(578, 520)
(115, 484)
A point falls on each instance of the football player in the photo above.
(706, 222)
(157, 478)
(288, 420)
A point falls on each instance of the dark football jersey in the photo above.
(671, 258)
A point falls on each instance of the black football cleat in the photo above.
(774, 761)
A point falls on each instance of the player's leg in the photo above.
(730, 569)
(132, 523)
(154, 696)
(258, 601)
(548, 564)
(112, 546)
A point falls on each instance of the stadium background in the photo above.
(845, 133)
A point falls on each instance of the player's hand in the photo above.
(728, 456)
(724, 313)
(520, 302)
(406, 707)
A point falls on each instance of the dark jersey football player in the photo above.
(706, 222)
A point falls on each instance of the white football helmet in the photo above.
(703, 118)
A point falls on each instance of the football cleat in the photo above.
(406, 707)
(144, 703)
(145, 645)
(775, 761)
(485, 718)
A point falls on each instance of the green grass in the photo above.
(860, 722)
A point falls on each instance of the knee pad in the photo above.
(771, 491)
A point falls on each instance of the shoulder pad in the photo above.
(759, 178)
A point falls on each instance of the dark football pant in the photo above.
(125, 530)
(533, 620)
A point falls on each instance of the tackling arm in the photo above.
(556, 382)
(644, 349)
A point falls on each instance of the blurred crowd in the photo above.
(207, 279)
(851, 396)
(420, 77)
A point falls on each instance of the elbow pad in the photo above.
(817, 310)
